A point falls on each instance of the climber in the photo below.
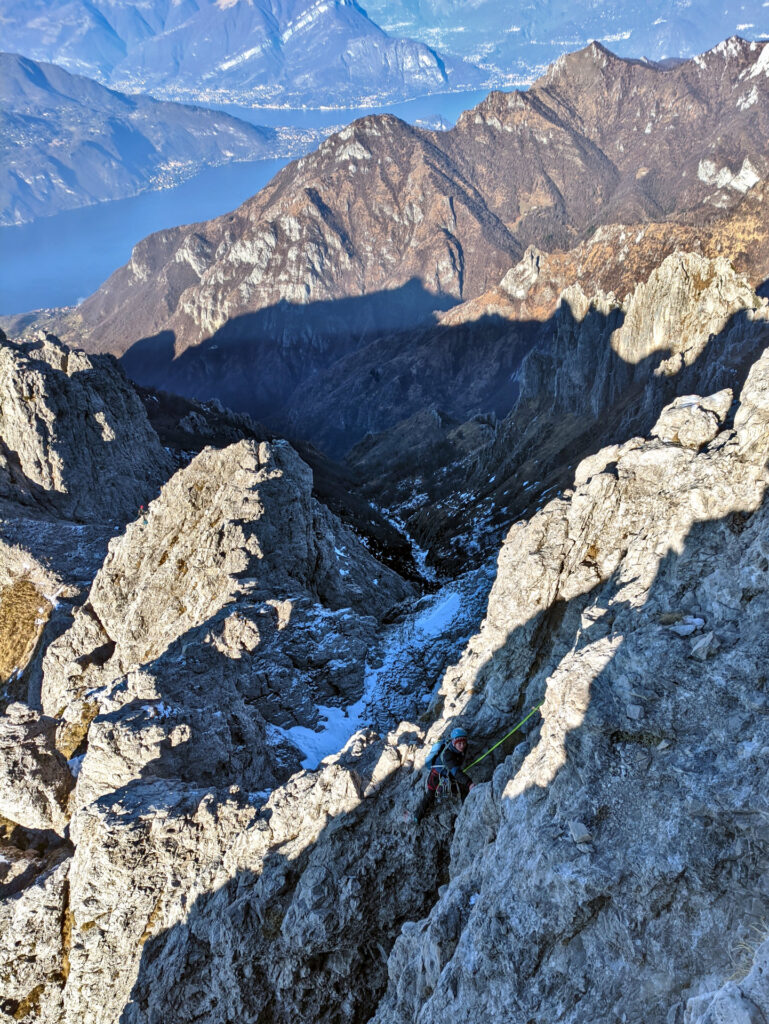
(446, 764)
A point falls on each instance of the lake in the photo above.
(57, 261)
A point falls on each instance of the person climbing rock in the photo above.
(447, 764)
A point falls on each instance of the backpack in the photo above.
(436, 749)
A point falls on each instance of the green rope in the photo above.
(514, 729)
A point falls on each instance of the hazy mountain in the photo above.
(513, 42)
(68, 142)
(313, 52)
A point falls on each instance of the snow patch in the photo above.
(745, 179)
(748, 99)
(762, 64)
(338, 726)
(438, 618)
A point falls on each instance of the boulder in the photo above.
(35, 780)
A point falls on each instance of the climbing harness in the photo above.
(506, 736)
(447, 788)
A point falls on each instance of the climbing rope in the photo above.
(507, 736)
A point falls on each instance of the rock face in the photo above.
(34, 944)
(627, 815)
(657, 755)
(74, 437)
(601, 373)
(35, 781)
(743, 1000)
(233, 554)
(251, 611)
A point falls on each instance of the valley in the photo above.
(439, 430)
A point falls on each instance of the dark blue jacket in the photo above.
(450, 760)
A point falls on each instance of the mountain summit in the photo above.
(386, 224)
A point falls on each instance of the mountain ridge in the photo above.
(386, 226)
(70, 142)
(297, 52)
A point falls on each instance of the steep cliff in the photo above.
(240, 630)
(600, 370)
(74, 437)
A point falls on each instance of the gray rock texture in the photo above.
(744, 1001)
(624, 826)
(674, 801)
(34, 947)
(74, 437)
(235, 573)
(35, 781)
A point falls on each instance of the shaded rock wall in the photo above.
(74, 437)
(626, 827)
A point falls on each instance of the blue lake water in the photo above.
(57, 261)
(447, 105)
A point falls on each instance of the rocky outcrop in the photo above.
(74, 437)
(633, 607)
(744, 999)
(634, 814)
(34, 947)
(236, 573)
(35, 780)
(236, 602)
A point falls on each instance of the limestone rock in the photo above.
(693, 422)
(74, 437)
(579, 833)
(35, 780)
(35, 930)
(736, 1002)
(250, 900)
(574, 612)
(702, 646)
(237, 599)
(520, 279)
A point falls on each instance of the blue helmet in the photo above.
(458, 733)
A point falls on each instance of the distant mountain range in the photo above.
(261, 52)
(513, 42)
(68, 142)
(303, 305)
